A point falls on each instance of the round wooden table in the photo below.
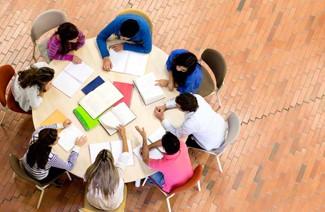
(56, 100)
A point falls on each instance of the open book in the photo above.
(149, 92)
(118, 115)
(68, 136)
(100, 99)
(129, 62)
(114, 146)
(72, 77)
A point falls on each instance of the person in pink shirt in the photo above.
(64, 41)
(174, 168)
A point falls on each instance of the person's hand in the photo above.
(107, 64)
(161, 108)
(121, 132)
(159, 114)
(117, 47)
(76, 59)
(66, 123)
(141, 131)
(170, 85)
(162, 83)
(81, 141)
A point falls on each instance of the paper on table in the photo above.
(157, 135)
(110, 122)
(116, 148)
(123, 113)
(153, 153)
(65, 83)
(68, 136)
(80, 72)
(94, 149)
(119, 60)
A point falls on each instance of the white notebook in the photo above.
(100, 99)
(153, 153)
(118, 115)
(68, 136)
(129, 62)
(114, 146)
(149, 92)
(72, 77)
(157, 135)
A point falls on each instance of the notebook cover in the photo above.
(92, 85)
(55, 117)
(126, 89)
(86, 121)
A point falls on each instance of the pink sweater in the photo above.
(54, 45)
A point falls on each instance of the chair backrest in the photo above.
(208, 85)
(233, 132)
(216, 63)
(46, 21)
(19, 170)
(6, 73)
(139, 13)
(197, 174)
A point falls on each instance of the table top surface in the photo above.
(56, 100)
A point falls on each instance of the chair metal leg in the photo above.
(40, 198)
(199, 185)
(168, 203)
(219, 163)
(34, 58)
(218, 98)
(3, 117)
(145, 180)
(67, 173)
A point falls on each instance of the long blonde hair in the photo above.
(103, 174)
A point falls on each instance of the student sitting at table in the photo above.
(204, 127)
(184, 72)
(174, 168)
(133, 29)
(39, 161)
(29, 86)
(64, 41)
(105, 188)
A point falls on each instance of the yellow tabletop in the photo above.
(56, 100)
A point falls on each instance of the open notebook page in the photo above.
(157, 135)
(68, 136)
(116, 148)
(94, 149)
(153, 153)
(123, 113)
(66, 84)
(80, 72)
(119, 60)
(110, 122)
(137, 63)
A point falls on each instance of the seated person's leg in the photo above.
(190, 142)
(157, 178)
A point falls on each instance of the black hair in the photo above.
(187, 102)
(67, 31)
(129, 28)
(35, 76)
(170, 143)
(39, 151)
(189, 61)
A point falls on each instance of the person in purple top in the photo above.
(64, 41)
(184, 72)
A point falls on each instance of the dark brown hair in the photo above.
(187, 102)
(67, 31)
(35, 76)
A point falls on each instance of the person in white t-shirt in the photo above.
(204, 127)
(29, 86)
(105, 185)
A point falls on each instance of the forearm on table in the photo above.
(155, 144)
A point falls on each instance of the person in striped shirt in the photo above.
(39, 161)
(64, 41)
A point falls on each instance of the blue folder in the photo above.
(93, 85)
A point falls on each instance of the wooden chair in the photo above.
(19, 171)
(212, 83)
(88, 208)
(194, 180)
(46, 21)
(231, 135)
(139, 13)
(8, 101)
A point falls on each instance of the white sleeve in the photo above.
(182, 131)
(33, 96)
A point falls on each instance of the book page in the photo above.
(116, 147)
(157, 135)
(109, 122)
(66, 84)
(68, 136)
(119, 60)
(153, 153)
(100, 99)
(80, 72)
(148, 90)
(137, 63)
(123, 113)
(94, 149)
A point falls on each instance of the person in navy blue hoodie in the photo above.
(128, 27)
(184, 72)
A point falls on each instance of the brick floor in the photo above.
(275, 52)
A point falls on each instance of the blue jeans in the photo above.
(157, 178)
